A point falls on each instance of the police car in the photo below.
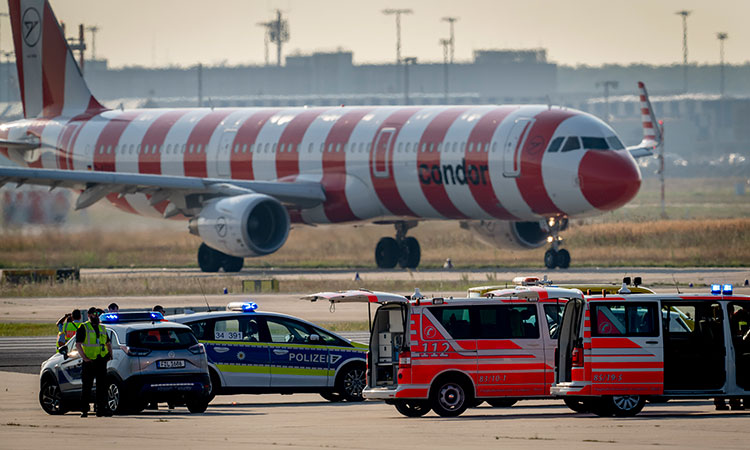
(152, 360)
(254, 352)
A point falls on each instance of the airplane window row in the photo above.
(588, 143)
(362, 147)
(148, 149)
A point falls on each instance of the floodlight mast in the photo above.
(721, 36)
(684, 13)
(397, 12)
(452, 39)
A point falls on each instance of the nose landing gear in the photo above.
(556, 256)
(402, 250)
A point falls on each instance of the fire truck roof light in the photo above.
(715, 289)
(727, 289)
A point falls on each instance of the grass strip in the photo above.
(27, 329)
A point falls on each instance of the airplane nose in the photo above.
(608, 179)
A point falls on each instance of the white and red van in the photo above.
(447, 354)
(616, 352)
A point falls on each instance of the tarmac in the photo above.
(307, 421)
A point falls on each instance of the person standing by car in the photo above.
(67, 326)
(95, 348)
(113, 308)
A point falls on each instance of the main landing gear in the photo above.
(210, 260)
(556, 256)
(403, 250)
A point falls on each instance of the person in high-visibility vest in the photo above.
(67, 326)
(94, 347)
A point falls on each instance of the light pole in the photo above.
(684, 13)
(721, 36)
(407, 62)
(606, 85)
(397, 13)
(452, 40)
(445, 43)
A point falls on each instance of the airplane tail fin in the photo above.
(51, 82)
(652, 136)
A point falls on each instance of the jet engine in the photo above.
(243, 225)
(509, 235)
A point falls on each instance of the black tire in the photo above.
(578, 405)
(331, 396)
(232, 264)
(625, 405)
(116, 396)
(209, 260)
(50, 398)
(197, 405)
(350, 383)
(412, 408)
(550, 259)
(387, 253)
(215, 385)
(502, 402)
(563, 259)
(450, 397)
(410, 253)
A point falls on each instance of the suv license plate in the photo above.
(170, 364)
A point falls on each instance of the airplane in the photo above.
(513, 174)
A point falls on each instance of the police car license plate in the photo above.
(170, 364)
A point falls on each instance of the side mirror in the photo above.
(314, 338)
(63, 351)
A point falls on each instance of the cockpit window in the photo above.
(595, 143)
(571, 144)
(555, 145)
(615, 143)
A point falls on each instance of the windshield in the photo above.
(162, 338)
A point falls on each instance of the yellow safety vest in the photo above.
(94, 347)
(70, 329)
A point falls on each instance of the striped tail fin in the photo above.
(50, 80)
(651, 130)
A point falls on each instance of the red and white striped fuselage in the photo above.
(426, 162)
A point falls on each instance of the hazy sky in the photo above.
(594, 32)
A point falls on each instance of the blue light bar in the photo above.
(727, 289)
(715, 289)
(110, 317)
(155, 315)
(249, 307)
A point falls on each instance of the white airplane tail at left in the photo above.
(51, 82)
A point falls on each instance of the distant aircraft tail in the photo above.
(50, 80)
(652, 136)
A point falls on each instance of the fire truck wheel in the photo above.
(501, 402)
(412, 408)
(626, 405)
(577, 405)
(450, 397)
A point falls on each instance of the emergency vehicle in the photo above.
(616, 352)
(256, 352)
(152, 361)
(447, 354)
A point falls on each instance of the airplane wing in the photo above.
(652, 135)
(176, 189)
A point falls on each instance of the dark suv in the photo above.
(151, 361)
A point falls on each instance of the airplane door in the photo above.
(224, 153)
(513, 146)
(380, 153)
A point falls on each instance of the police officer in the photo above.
(95, 348)
(67, 326)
